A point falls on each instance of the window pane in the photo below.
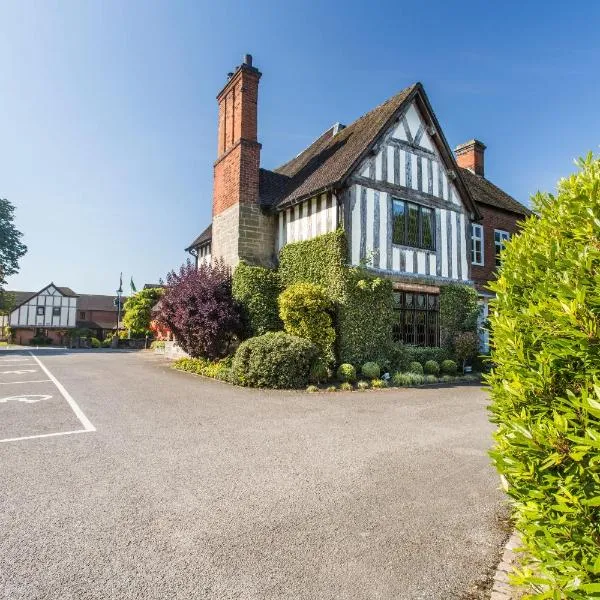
(413, 225)
(399, 222)
(427, 215)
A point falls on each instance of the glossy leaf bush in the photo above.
(546, 386)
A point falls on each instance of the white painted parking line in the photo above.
(32, 381)
(18, 372)
(45, 435)
(32, 398)
(87, 425)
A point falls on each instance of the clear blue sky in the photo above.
(108, 113)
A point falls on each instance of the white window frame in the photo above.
(477, 236)
(499, 242)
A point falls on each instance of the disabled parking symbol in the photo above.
(26, 398)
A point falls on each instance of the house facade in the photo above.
(55, 310)
(389, 179)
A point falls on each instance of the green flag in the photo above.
(132, 286)
(120, 290)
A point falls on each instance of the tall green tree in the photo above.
(138, 310)
(11, 246)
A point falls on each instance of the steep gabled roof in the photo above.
(23, 297)
(484, 191)
(202, 239)
(332, 156)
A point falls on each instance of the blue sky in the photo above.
(108, 111)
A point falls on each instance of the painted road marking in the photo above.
(87, 425)
(32, 381)
(19, 372)
(45, 435)
(27, 398)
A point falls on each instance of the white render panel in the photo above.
(399, 132)
(390, 164)
(297, 223)
(413, 168)
(395, 258)
(402, 168)
(280, 238)
(463, 248)
(421, 256)
(413, 119)
(355, 220)
(408, 260)
(444, 241)
(365, 170)
(426, 142)
(436, 179)
(452, 216)
(383, 225)
(424, 180)
(432, 263)
(313, 217)
(445, 184)
(370, 215)
(334, 212)
(378, 165)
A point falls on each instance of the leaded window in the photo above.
(413, 225)
(417, 318)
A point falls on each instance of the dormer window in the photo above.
(414, 225)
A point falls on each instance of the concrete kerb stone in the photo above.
(502, 589)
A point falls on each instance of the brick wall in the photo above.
(493, 218)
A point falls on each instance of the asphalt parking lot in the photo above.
(123, 479)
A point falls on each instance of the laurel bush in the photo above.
(371, 370)
(431, 367)
(346, 372)
(545, 386)
(449, 367)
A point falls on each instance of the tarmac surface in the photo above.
(121, 478)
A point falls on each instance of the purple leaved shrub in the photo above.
(198, 307)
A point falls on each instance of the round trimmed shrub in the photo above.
(379, 383)
(274, 360)
(431, 379)
(371, 370)
(431, 367)
(415, 367)
(362, 385)
(449, 367)
(346, 386)
(95, 342)
(331, 388)
(312, 389)
(346, 372)
(545, 385)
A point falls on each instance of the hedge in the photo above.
(256, 289)
(546, 385)
(364, 304)
(459, 311)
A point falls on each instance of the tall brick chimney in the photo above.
(471, 156)
(240, 229)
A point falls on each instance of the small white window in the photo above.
(477, 244)
(41, 311)
(500, 238)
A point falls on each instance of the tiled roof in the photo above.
(97, 302)
(484, 191)
(202, 239)
(333, 155)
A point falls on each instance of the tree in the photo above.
(459, 312)
(138, 310)
(545, 385)
(199, 309)
(11, 247)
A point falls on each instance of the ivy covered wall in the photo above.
(364, 310)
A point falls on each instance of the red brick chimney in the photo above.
(238, 153)
(471, 156)
(240, 229)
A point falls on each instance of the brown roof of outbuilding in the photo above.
(485, 192)
(202, 239)
(97, 302)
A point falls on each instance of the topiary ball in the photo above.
(362, 385)
(346, 372)
(432, 367)
(449, 367)
(371, 370)
(415, 367)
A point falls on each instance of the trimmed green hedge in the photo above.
(545, 385)
(257, 289)
(459, 311)
(364, 304)
(274, 360)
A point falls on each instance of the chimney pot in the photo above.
(248, 59)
